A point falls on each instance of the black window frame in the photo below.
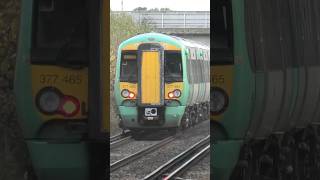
(65, 55)
(181, 63)
(223, 56)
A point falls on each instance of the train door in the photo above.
(151, 75)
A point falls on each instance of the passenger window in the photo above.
(286, 31)
(188, 62)
(209, 71)
(194, 71)
(193, 54)
(282, 33)
(263, 34)
(205, 55)
(309, 33)
(203, 71)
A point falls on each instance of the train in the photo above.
(265, 89)
(161, 82)
(61, 87)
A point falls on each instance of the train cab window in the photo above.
(129, 67)
(222, 32)
(60, 28)
(173, 66)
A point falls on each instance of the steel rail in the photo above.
(196, 158)
(116, 165)
(180, 158)
(118, 142)
(119, 136)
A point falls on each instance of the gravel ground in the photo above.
(201, 171)
(150, 162)
(115, 131)
(128, 148)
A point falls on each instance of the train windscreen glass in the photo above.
(172, 66)
(222, 32)
(129, 68)
(60, 30)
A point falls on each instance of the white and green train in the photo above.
(162, 82)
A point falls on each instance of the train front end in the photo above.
(58, 60)
(149, 88)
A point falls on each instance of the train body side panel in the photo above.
(312, 96)
(299, 99)
(258, 100)
(272, 104)
(222, 77)
(288, 96)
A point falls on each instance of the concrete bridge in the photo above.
(194, 25)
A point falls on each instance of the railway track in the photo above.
(118, 142)
(122, 162)
(177, 165)
(120, 136)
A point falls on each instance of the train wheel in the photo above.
(193, 117)
(287, 158)
(185, 122)
(30, 174)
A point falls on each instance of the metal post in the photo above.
(184, 20)
(207, 20)
(162, 20)
(121, 5)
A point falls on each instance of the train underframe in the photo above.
(173, 118)
(294, 155)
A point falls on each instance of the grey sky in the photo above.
(178, 5)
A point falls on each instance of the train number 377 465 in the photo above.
(55, 78)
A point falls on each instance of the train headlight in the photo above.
(125, 93)
(48, 100)
(177, 93)
(218, 101)
(174, 94)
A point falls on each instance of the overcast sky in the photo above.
(177, 5)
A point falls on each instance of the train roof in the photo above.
(158, 37)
